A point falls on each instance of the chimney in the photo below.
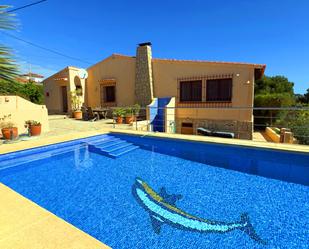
(143, 75)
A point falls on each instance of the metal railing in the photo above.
(242, 122)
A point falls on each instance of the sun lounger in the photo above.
(223, 134)
(206, 132)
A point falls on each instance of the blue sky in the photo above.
(271, 32)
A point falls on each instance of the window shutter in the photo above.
(191, 90)
(219, 90)
(110, 94)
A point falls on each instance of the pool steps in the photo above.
(106, 145)
(111, 146)
(12, 162)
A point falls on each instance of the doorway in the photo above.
(64, 94)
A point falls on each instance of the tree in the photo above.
(273, 85)
(298, 122)
(8, 69)
(306, 96)
(303, 99)
(33, 92)
(10, 87)
(276, 92)
(29, 91)
(271, 92)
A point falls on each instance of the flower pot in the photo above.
(10, 133)
(78, 114)
(119, 120)
(35, 130)
(129, 119)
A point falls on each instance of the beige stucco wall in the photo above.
(52, 85)
(120, 68)
(73, 76)
(166, 75)
(272, 134)
(22, 110)
(53, 102)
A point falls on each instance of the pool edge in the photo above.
(222, 141)
(24, 224)
(79, 135)
(8, 148)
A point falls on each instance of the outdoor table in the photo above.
(101, 111)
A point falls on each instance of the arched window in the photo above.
(78, 86)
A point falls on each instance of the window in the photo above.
(219, 90)
(191, 91)
(109, 94)
(78, 86)
(79, 90)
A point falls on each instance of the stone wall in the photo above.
(241, 129)
(143, 75)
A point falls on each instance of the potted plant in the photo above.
(119, 113)
(76, 104)
(8, 128)
(131, 113)
(136, 108)
(34, 127)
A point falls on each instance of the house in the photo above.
(215, 95)
(30, 77)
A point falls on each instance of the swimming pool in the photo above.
(205, 202)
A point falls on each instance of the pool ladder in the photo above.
(111, 146)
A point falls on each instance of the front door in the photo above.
(64, 99)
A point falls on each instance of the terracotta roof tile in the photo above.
(34, 75)
(212, 62)
(260, 66)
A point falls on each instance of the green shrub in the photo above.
(29, 91)
(298, 122)
(119, 112)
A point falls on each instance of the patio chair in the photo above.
(92, 116)
(85, 113)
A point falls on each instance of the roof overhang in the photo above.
(107, 81)
(61, 79)
(259, 72)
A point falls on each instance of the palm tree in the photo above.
(8, 69)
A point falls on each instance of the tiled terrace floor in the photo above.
(60, 124)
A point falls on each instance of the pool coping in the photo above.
(31, 144)
(25, 224)
(222, 141)
(8, 148)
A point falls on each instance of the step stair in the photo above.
(111, 146)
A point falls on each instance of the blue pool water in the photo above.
(94, 192)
